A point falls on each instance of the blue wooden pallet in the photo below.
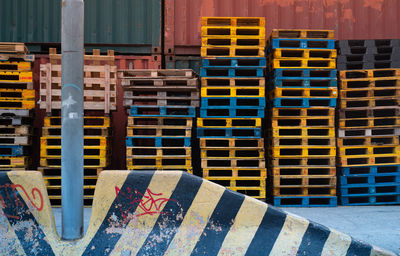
(158, 141)
(231, 72)
(299, 73)
(302, 102)
(256, 62)
(372, 170)
(370, 200)
(305, 201)
(164, 111)
(276, 43)
(382, 178)
(232, 102)
(229, 132)
(238, 112)
(301, 82)
(13, 150)
(367, 189)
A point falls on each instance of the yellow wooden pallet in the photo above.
(387, 73)
(371, 122)
(235, 173)
(17, 94)
(15, 162)
(302, 151)
(158, 152)
(244, 31)
(158, 131)
(239, 182)
(302, 170)
(181, 122)
(350, 151)
(229, 153)
(93, 151)
(368, 141)
(151, 162)
(330, 92)
(284, 53)
(232, 51)
(13, 103)
(303, 112)
(310, 161)
(302, 141)
(302, 63)
(88, 141)
(296, 132)
(298, 121)
(370, 92)
(370, 83)
(232, 82)
(229, 122)
(369, 160)
(89, 121)
(15, 66)
(10, 76)
(88, 162)
(234, 163)
(233, 92)
(233, 21)
(302, 33)
(233, 41)
(231, 143)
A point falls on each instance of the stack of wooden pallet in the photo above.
(368, 139)
(233, 103)
(302, 87)
(17, 101)
(100, 85)
(368, 54)
(161, 107)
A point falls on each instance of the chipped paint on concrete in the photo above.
(9, 244)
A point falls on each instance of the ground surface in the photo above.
(378, 225)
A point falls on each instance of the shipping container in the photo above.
(183, 62)
(131, 26)
(351, 19)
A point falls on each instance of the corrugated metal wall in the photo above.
(351, 19)
(136, 24)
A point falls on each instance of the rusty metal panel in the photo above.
(351, 19)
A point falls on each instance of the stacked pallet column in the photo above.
(100, 85)
(17, 101)
(161, 107)
(233, 104)
(302, 92)
(369, 125)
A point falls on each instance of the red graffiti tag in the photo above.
(14, 201)
(151, 203)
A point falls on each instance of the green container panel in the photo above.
(133, 25)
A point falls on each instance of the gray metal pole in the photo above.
(72, 119)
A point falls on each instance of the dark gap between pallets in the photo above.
(317, 44)
(246, 52)
(248, 32)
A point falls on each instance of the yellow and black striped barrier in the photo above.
(162, 213)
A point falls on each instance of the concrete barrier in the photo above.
(163, 213)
